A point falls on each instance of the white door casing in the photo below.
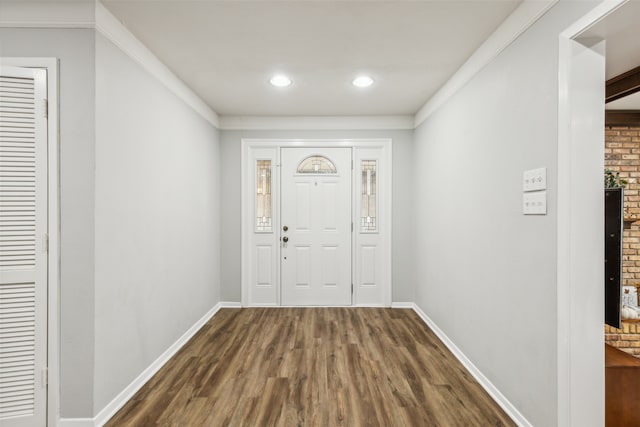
(316, 210)
(580, 241)
(23, 247)
(260, 245)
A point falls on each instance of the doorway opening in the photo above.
(580, 272)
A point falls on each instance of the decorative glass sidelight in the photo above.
(316, 165)
(263, 196)
(369, 205)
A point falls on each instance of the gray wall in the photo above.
(157, 220)
(403, 283)
(487, 273)
(75, 50)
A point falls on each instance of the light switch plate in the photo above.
(534, 180)
(534, 203)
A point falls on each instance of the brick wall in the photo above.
(626, 339)
(622, 154)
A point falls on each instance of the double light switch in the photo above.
(534, 197)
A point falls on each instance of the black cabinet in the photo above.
(613, 226)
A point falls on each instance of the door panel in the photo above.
(263, 265)
(329, 206)
(303, 206)
(330, 259)
(316, 209)
(302, 259)
(368, 262)
(23, 262)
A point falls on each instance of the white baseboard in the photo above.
(230, 304)
(121, 399)
(126, 394)
(492, 390)
(76, 422)
(403, 305)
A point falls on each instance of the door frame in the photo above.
(247, 227)
(50, 65)
(576, 293)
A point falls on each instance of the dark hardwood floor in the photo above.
(312, 367)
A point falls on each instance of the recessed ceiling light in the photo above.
(280, 80)
(362, 81)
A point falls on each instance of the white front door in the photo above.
(316, 226)
(23, 258)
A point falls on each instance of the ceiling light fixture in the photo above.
(362, 81)
(280, 80)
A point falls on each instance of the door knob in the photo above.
(285, 228)
(285, 239)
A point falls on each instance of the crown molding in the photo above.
(517, 23)
(595, 15)
(46, 14)
(93, 15)
(110, 27)
(316, 122)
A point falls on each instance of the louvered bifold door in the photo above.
(23, 258)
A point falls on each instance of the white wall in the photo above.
(402, 196)
(487, 274)
(75, 50)
(157, 220)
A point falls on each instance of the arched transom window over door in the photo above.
(316, 164)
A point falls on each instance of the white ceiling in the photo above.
(226, 51)
(631, 102)
(622, 34)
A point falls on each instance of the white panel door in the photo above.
(23, 259)
(316, 226)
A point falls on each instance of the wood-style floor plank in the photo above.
(312, 367)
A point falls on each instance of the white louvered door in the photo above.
(23, 257)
